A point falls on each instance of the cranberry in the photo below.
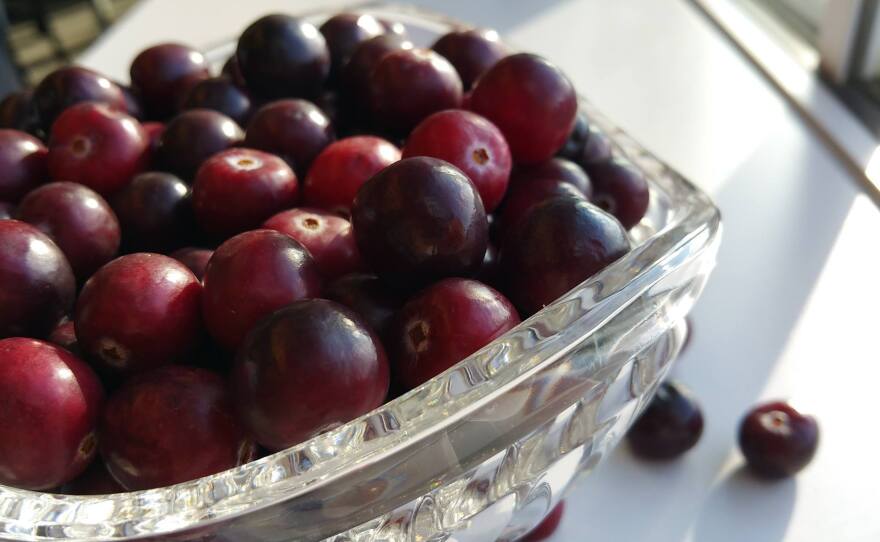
(444, 324)
(160, 71)
(418, 220)
(531, 101)
(343, 33)
(70, 85)
(133, 104)
(472, 52)
(64, 335)
(50, 405)
(220, 94)
(7, 210)
(235, 190)
(22, 164)
(621, 190)
(343, 167)
(98, 147)
(555, 168)
(524, 196)
(470, 143)
(18, 112)
(283, 56)
(777, 440)
(232, 70)
(95, 480)
(195, 259)
(78, 220)
(366, 295)
(408, 85)
(252, 275)
(670, 425)
(154, 133)
(330, 104)
(137, 312)
(38, 284)
(172, 425)
(576, 142)
(307, 368)
(548, 526)
(357, 74)
(295, 130)
(192, 137)
(598, 149)
(561, 243)
(327, 237)
(155, 211)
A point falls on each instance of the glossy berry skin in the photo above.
(777, 440)
(555, 168)
(237, 189)
(577, 138)
(307, 368)
(531, 101)
(96, 146)
(80, 222)
(250, 276)
(38, 284)
(408, 85)
(343, 33)
(621, 190)
(548, 526)
(670, 425)
(357, 73)
(138, 312)
(282, 56)
(195, 259)
(192, 137)
(155, 211)
(469, 142)
(50, 405)
(368, 296)
(295, 130)
(7, 210)
(472, 52)
(160, 71)
(597, 150)
(418, 220)
(18, 112)
(220, 94)
(171, 425)
(561, 243)
(23, 164)
(342, 168)
(95, 480)
(70, 85)
(444, 324)
(522, 197)
(328, 238)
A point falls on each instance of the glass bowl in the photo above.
(481, 452)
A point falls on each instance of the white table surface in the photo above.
(790, 310)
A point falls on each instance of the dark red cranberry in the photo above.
(64, 335)
(777, 440)
(51, 402)
(79, 221)
(252, 275)
(525, 196)
(444, 324)
(561, 243)
(295, 130)
(172, 425)
(418, 220)
(366, 295)
(7, 210)
(576, 142)
(555, 168)
(154, 133)
(160, 71)
(98, 147)
(232, 70)
(70, 85)
(220, 94)
(237, 189)
(196, 259)
(356, 75)
(23, 164)
(307, 368)
(469, 142)
(621, 190)
(138, 312)
(95, 480)
(18, 112)
(531, 101)
(597, 150)
(155, 211)
(548, 526)
(343, 33)
(328, 238)
(192, 137)
(343, 167)
(38, 284)
(282, 56)
(472, 51)
(133, 104)
(670, 425)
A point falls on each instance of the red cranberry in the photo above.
(22, 164)
(70, 85)
(232, 70)
(195, 259)
(133, 105)
(78, 220)
(95, 480)
(307, 368)
(7, 210)
(561, 243)
(366, 295)
(525, 196)
(531, 101)
(51, 401)
(159, 72)
(548, 526)
(597, 150)
(418, 220)
(670, 425)
(137, 312)
(18, 112)
(295, 130)
(252, 275)
(235, 190)
(357, 74)
(98, 147)
(343, 167)
(220, 94)
(283, 56)
(172, 425)
(555, 168)
(38, 284)
(621, 190)
(64, 335)
(192, 137)
(576, 142)
(472, 52)
(470, 143)
(777, 440)
(343, 33)
(155, 211)
(444, 324)
(327, 237)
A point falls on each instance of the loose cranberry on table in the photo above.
(548, 526)
(195, 259)
(138, 312)
(531, 101)
(328, 238)
(597, 150)
(555, 168)
(368, 296)
(18, 111)
(95, 480)
(171, 425)
(343, 33)
(357, 74)
(155, 212)
(70, 85)
(38, 284)
(621, 190)
(220, 94)
(192, 137)
(777, 440)
(250, 276)
(307, 368)
(295, 130)
(23, 164)
(670, 425)
(51, 403)
(472, 51)
(80, 222)
(158, 73)
(577, 138)
(522, 197)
